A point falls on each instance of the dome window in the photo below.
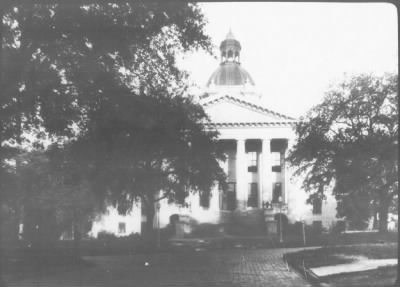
(237, 56)
(230, 55)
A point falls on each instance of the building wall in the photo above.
(300, 210)
(109, 222)
(194, 210)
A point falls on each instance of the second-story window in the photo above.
(204, 199)
(317, 206)
(252, 161)
(276, 161)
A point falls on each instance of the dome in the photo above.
(230, 74)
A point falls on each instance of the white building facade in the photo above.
(256, 141)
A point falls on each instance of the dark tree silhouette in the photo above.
(350, 142)
(100, 79)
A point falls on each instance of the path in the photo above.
(236, 268)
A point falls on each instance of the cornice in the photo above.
(247, 104)
(250, 124)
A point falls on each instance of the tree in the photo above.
(56, 197)
(349, 142)
(59, 59)
(147, 149)
(71, 70)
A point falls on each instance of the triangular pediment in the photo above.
(229, 109)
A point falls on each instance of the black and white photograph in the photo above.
(174, 143)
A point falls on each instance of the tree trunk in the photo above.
(77, 234)
(375, 224)
(383, 216)
(149, 232)
(150, 213)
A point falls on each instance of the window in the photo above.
(204, 199)
(230, 55)
(317, 206)
(252, 161)
(228, 197)
(252, 200)
(121, 228)
(276, 161)
(276, 192)
(180, 196)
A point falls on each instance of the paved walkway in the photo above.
(237, 268)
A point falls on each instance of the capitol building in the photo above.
(260, 186)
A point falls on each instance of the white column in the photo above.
(260, 182)
(241, 170)
(266, 170)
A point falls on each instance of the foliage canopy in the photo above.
(350, 142)
(100, 80)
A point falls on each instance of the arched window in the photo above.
(223, 56)
(237, 56)
(230, 55)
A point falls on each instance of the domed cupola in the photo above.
(230, 72)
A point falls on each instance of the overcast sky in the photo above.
(294, 51)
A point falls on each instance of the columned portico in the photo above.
(253, 137)
(269, 178)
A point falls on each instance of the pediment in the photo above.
(231, 110)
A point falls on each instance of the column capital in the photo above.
(240, 139)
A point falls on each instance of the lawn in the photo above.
(306, 260)
(385, 276)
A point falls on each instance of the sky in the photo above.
(296, 51)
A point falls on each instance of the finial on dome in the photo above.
(230, 35)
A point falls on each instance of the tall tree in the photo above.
(57, 57)
(56, 196)
(350, 142)
(96, 76)
(147, 149)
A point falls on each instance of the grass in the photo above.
(384, 276)
(327, 256)
(32, 264)
(331, 255)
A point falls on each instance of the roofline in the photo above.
(252, 105)
(250, 124)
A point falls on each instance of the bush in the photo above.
(207, 230)
(338, 227)
(107, 236)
